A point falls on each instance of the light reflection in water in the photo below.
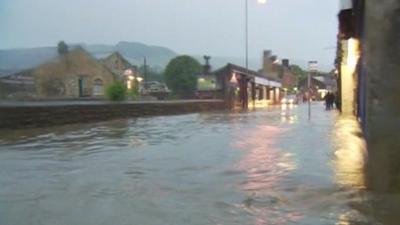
(287, 114)
(350, 154)
(349, 165)
(174, 171)
(265, 166)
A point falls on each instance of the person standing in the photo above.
(327, 100)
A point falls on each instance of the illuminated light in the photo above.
(139, 79)
(262, 2)
(261, 103)
(131, 77)
(347, 70)
(128, 72)
(233, 79)
(202, 79)
(352, 53)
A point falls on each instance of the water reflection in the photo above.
(262, 161)
(265, 166)
(269, 166)
(350, 153)
(350, 160)
(288, 115)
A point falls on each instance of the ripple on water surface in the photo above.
(264, 167)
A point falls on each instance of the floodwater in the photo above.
(270, 166)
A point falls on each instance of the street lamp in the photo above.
(247, 28)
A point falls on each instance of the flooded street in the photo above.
(270, 166)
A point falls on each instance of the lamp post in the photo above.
(247, 32)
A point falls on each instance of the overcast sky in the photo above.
(296, 29)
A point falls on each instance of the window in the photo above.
(98, 88)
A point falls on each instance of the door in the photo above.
(81, 85)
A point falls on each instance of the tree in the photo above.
(299, 72)
(62, 48)
(180, 75)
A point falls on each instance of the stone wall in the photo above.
(382, 62)
(32, 115)
(16, 90)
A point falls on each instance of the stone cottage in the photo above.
(76, 74)
(73, 75)
(122, 69)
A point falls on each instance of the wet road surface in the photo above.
(270, 166)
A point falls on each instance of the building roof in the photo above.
(258, 77)
(118, 55)
(242, 70)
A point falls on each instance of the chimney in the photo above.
(285, 62)
(207, 66)
(269, 69)
(267, 53)
(273, 58)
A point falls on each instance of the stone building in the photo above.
(76, 74)
(122, 69)
(270, 65)
(280, 72)
(289, 79)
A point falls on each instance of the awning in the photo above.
(266, 82)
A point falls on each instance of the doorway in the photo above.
(81, 85)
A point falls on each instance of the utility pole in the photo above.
(145, 72)
(309, 94)
(246, 14)
(312, 68)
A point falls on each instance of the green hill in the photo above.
(15, 60)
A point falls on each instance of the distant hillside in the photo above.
(14, 60)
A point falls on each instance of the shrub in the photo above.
(116, 91)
